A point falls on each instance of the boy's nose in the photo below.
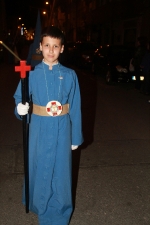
(50, 49)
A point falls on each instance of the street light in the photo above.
(45, 14)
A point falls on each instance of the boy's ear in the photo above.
(62, 48)
(40, 47)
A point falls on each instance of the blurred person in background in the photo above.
(138, 57)
(145, 65)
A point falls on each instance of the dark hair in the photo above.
(53, 32)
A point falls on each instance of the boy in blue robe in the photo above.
(54, 130)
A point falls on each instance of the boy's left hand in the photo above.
(74, 147)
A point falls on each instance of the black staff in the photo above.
(23, 68)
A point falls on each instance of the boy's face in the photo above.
(51, 49)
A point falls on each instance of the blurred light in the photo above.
(19, 18)
(22, 24)
(133, 78)
(86, 56)
(141, 78)
(46, 3)
(44, 12)
(120, 69)
(21, 30)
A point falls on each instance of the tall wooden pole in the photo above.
(23, 68)
(51, 13)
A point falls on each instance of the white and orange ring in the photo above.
(54, 108)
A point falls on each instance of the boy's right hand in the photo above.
(22, 109)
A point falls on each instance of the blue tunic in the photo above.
(50, 140)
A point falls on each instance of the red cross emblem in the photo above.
(23, 68)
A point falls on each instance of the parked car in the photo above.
(113, 62)
(81, 54)
(133, 76)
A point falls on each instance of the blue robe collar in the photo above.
(54, 66)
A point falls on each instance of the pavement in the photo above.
(111, 171)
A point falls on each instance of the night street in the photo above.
(111, 170)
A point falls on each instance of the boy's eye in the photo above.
(47, 45)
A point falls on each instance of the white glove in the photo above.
(22, 109)
(74, 147)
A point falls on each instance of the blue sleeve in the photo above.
(18, 99)
(75, 112)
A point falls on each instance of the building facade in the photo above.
(106, 21)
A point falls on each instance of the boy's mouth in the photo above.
(50, 56)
